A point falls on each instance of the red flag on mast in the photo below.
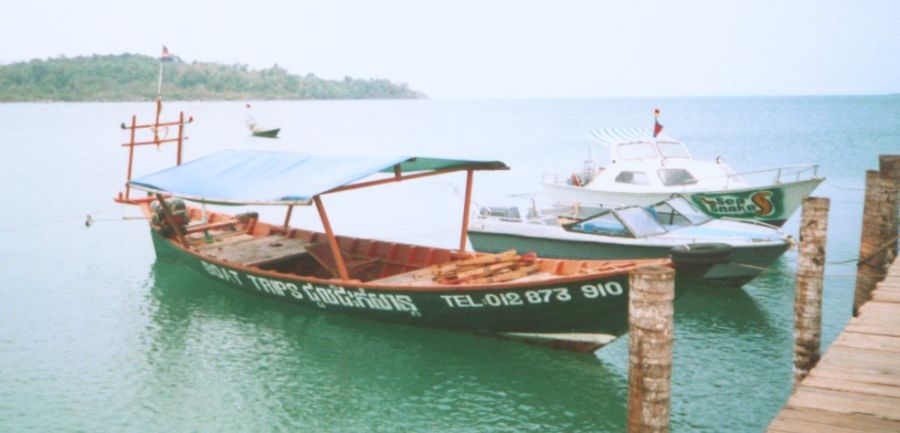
(166, 55)
(657, 127)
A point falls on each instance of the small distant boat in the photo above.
(645, 168)
(260, 132)
(596, 233)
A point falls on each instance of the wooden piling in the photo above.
(650, 310)
(808, 289)
(889, 165)
(879, 214)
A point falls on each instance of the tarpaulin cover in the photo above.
(260, 177)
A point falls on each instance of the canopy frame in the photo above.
(397, 176)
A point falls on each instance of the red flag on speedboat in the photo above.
(657, 127)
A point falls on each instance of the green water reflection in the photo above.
(211, 347)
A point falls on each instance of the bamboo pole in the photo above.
(180, 136)
(130, 158)
(889, 165)
(466, 210)
(650, 310)
(158, 109)
(808, 288)
(878, 215)
(332, 241)
(287, 217)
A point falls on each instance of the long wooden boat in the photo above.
(582, 303)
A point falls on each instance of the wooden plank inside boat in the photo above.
(257, 251)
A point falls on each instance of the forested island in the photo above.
(133, 77)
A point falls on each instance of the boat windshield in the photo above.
(631, 222)
(678, 211)
(603, 224)
(640, 222)
(636, 151)
(688, 210)
(673, 150)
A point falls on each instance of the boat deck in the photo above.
(425, 277)
(855, 387)
(255, 251)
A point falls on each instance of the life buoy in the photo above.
(575, 179)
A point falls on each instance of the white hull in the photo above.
(791, 197)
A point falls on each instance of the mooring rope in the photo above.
(88, 221)
(764, 269)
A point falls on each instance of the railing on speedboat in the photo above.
(781, 173)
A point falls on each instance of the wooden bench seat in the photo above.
(194, 228)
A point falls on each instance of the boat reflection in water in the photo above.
(316, 371)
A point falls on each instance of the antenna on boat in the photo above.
(165, 57)
(154, 128)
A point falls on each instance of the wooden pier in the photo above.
(855, 387)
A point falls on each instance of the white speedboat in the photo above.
(644, 169)
(591, 232)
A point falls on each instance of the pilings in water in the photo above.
(650, 311)
(808, 292)
(879, 228)
(889, 165)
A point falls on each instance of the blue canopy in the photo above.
(258, 177)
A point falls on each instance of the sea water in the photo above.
(97, 335)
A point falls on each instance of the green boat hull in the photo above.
(745, 262)
(268, 133)
(596, 305)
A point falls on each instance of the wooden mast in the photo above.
(130, 157)
(332, 242)
(180, 136)
(466, 207)
(154, 127)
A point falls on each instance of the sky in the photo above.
(499, 48)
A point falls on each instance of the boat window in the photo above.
(636, 151)
(605, 224)
(640, 222)
(510, 213)
(676, 177)
(633, 177)
(686, 209)
(673, 150)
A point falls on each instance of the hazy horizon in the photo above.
(501, 49)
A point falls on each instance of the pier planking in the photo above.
(856, 385)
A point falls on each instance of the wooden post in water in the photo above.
(879, 213)
(650, 310)
(889, 165)
(808, 291)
